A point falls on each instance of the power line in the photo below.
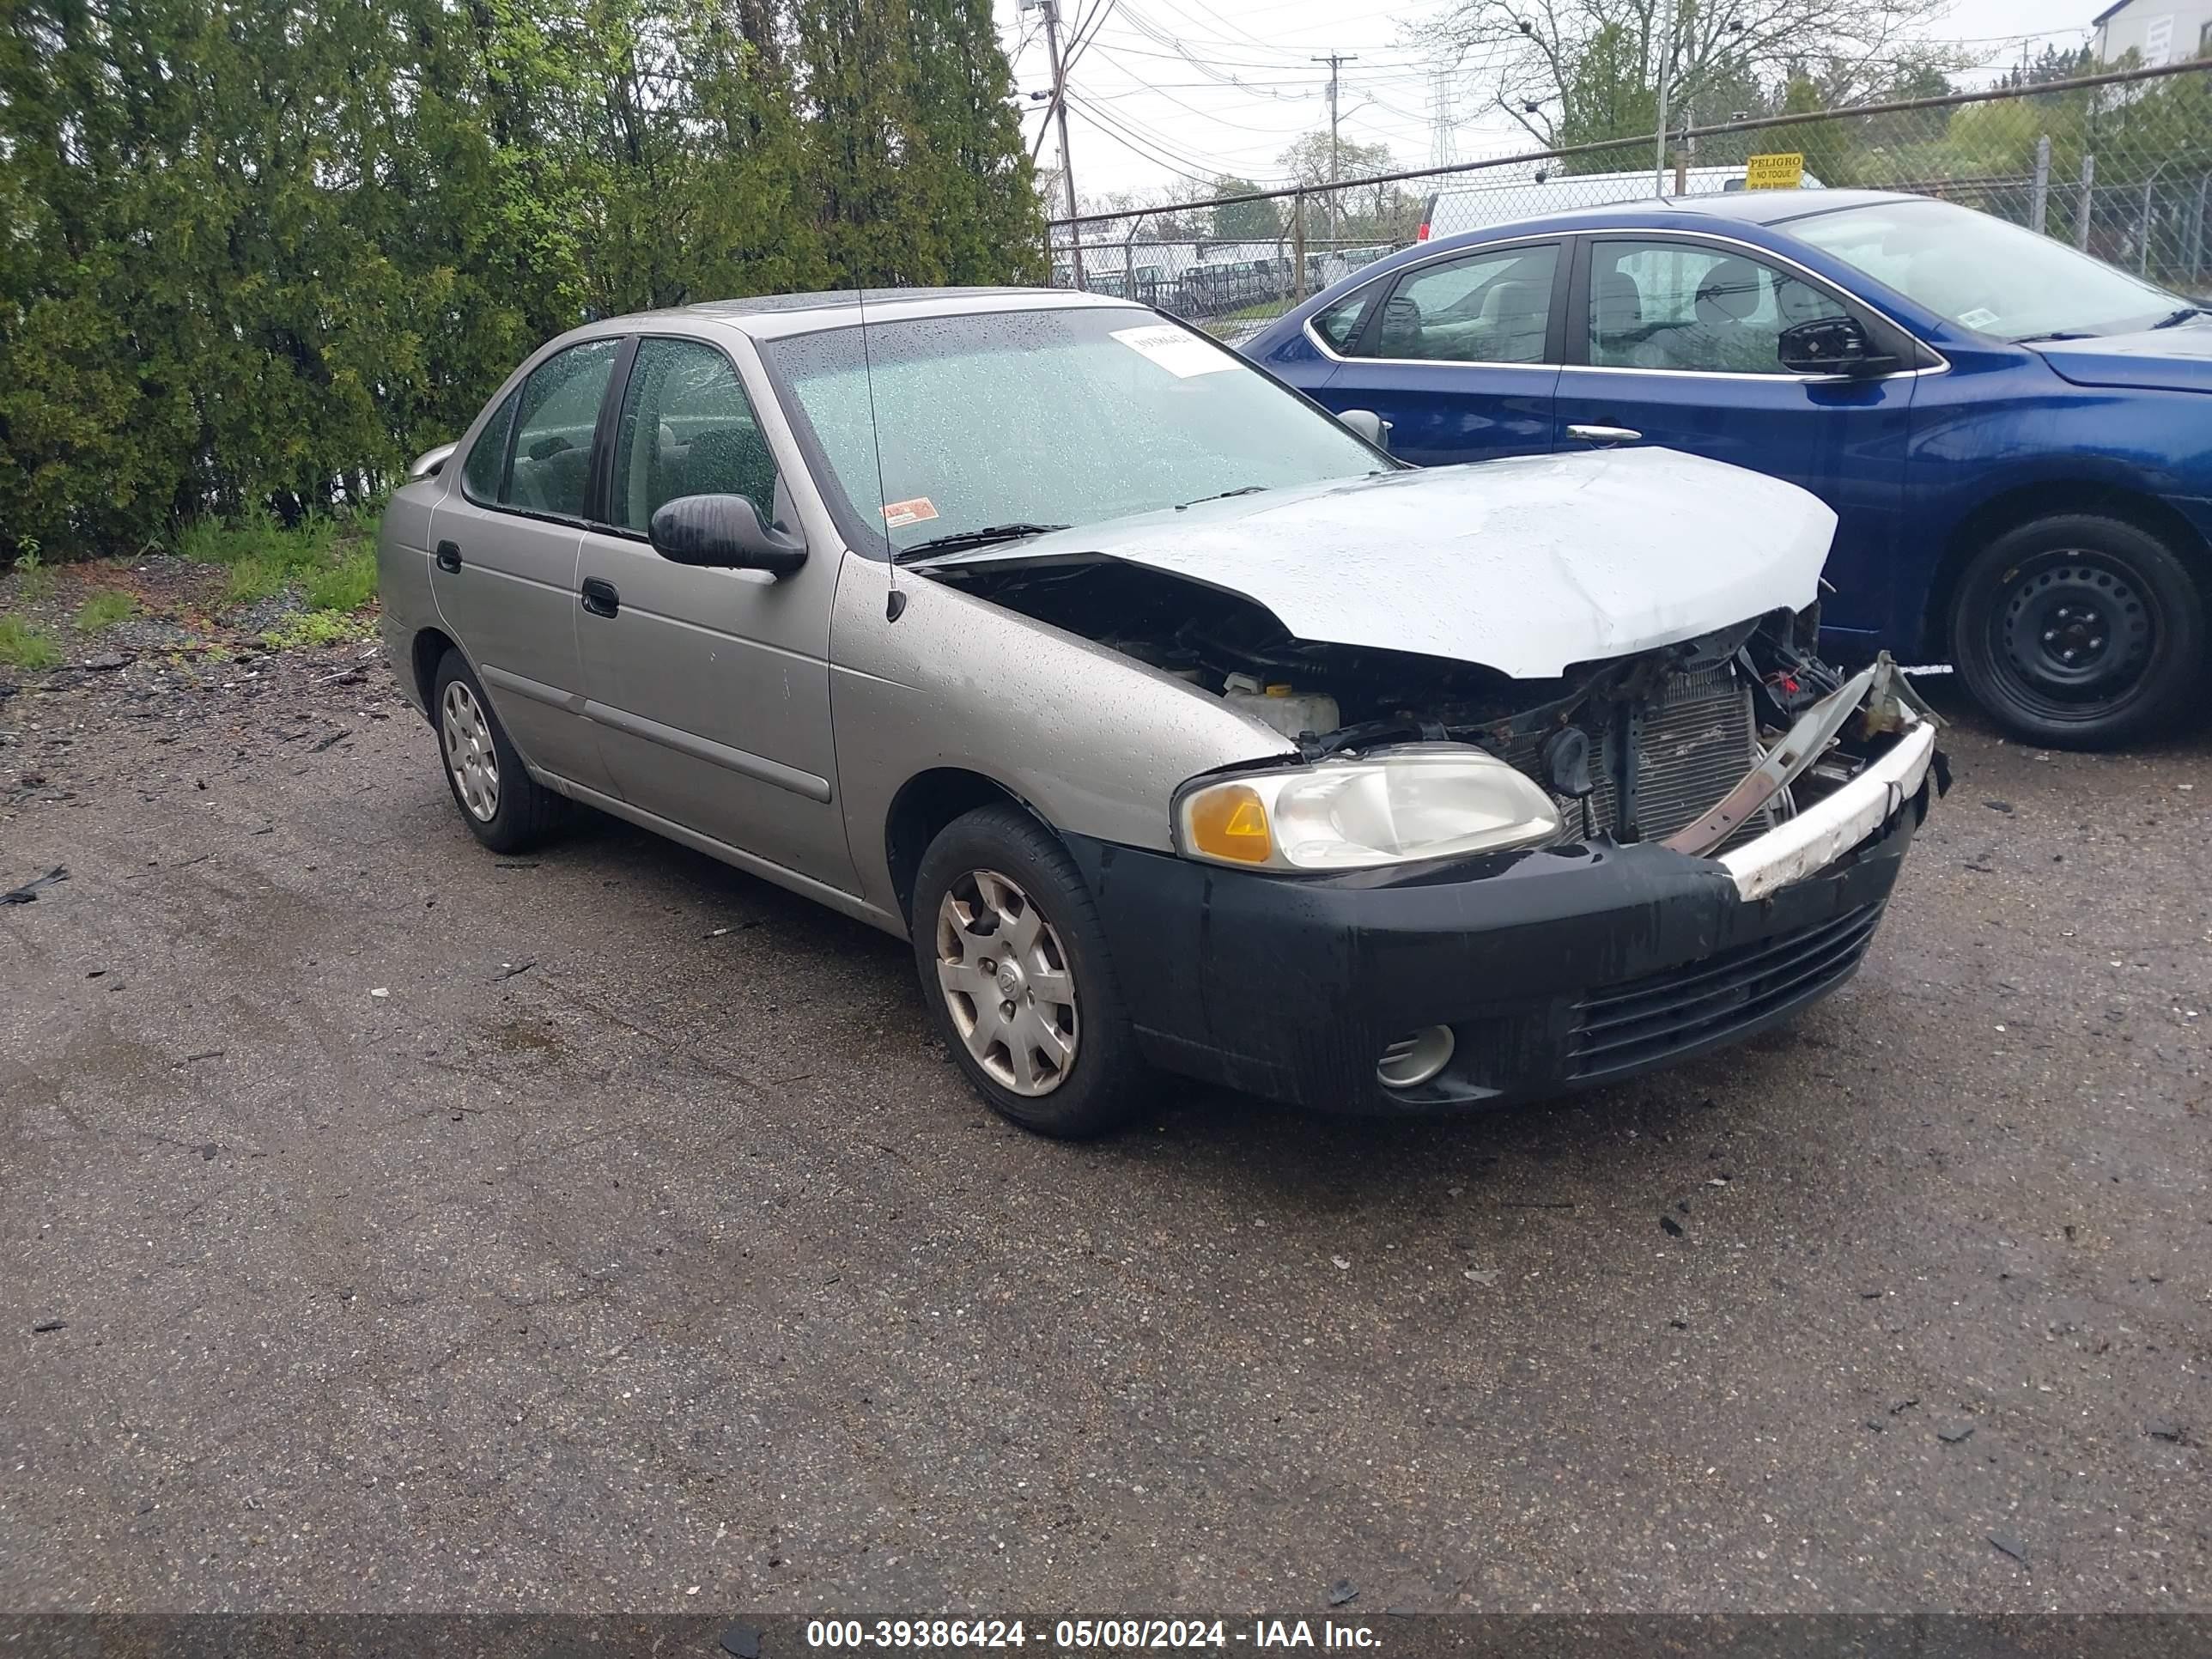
(1203, 115)
(1132, 128)
(1134, 140)
(1243, 158)
(1245, 34)
(1180, 43)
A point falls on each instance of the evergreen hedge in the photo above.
(253, 255)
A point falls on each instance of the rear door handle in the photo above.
(1605, 435)
(600, 598)
(449, 555)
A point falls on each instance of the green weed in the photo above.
(25, 645)
(331, 561)
(104, 609)
(33, 581)
(313, 627)
(346, 586)
(255, 577)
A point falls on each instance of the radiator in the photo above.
(1694, 743)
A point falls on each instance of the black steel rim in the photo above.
(2073, 635)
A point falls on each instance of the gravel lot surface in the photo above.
(387, 1225)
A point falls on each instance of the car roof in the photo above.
(768, 316)
(1756, 207)
(1775, 207)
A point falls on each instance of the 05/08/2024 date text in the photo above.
(1082, 1635)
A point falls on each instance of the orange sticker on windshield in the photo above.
(899, 514)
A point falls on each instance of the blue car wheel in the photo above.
(2079, 631)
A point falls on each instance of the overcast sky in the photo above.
(1144, 116)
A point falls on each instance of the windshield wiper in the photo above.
(2057, 334)
(989, 536)
(1241, 489)
(2182, 316)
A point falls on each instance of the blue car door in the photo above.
(1673, 340)
(1459, 352)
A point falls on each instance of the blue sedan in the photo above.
(2016, 438)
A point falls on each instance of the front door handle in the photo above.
(449, 555)
(1605, 435)
(600, 598)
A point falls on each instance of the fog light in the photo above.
(1412, 1059)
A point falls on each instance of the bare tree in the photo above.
(1568, 70)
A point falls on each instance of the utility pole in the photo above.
(1051, 10)
(1730, 23)
(1666, 65)
(1336, 61)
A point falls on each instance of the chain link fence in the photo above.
(2117, 164)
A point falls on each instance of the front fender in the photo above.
(2043, 446)
(1094, 741)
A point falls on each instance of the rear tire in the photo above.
(1015, 970)
(505, 808)
(2079, 631)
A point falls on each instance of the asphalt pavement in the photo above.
(385, 1225)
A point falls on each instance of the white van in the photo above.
(1478, 207)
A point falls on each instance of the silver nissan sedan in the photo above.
(1177, 726)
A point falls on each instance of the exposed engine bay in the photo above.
(1639, 748)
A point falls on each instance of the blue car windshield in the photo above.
(986, 423)
(1983, 274)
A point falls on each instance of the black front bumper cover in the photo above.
(1557, 969)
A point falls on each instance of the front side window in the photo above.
(554, 419)
(1044, 417)
(487, 463)
(1485, 308)
(687, 428)
(1680, 306)
(1984, 274)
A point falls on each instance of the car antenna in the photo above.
(894, 601)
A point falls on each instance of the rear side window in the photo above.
(1339, 323)
(687, 428)
(481, 476)
(558, 408)
(1492, 307)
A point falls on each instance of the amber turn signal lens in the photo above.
(1230, 820)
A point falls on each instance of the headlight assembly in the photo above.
(1425, 801)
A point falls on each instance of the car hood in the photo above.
(1526, 566)
(2157, 360)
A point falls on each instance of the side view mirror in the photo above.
(1368, 424)
(1830, 345)
(723, 532)
(429, 463)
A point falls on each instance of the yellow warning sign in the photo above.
(1774, 172)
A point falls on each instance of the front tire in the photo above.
(2079, 632)
(1014, 967)
(505, 808)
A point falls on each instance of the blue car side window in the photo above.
(1340, 325)
(1491, 308)
(1682, 307)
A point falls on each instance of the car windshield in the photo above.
(1986, 275)
(989, 423)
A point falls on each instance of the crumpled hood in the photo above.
(1526, 565)
(2157, 360)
